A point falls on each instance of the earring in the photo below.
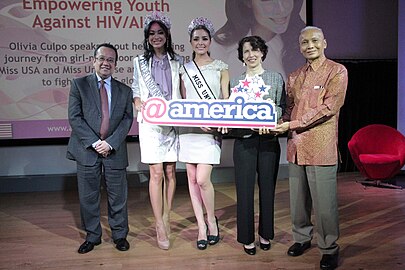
(244, 64)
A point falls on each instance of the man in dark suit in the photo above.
(101, 114)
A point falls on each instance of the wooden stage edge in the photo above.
(41, 230)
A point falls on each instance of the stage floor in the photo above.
(41, 230)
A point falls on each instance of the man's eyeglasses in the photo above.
(101, 59)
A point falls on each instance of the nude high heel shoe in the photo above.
(162, 244)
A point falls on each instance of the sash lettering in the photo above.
(197, 79)
(154, 90)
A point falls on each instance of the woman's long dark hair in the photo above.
(148, 50)
(240, 20)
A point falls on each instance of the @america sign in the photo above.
(247, 107)
(235, 112)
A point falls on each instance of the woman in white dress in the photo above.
(156, 74)
(200, 149)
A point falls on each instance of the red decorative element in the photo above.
(246, 83)
(378, 151)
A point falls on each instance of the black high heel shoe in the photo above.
(264, 246)
(213, 239)
(202, 244)
(250, 251)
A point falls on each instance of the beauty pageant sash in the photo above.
(198, 81)
(154, 90)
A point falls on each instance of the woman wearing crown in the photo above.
(156, 74)
(202, 78)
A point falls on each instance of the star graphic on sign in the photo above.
(235, 90)
(241, 89)
(258, 94)
(262, 88)
(255, 80)
(252, 95)
(245, 82)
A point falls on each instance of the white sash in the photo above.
(154, 90)
(198, 81)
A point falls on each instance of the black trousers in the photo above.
(261, 155)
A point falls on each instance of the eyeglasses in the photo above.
(101, 59)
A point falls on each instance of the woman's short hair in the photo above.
(256, 42)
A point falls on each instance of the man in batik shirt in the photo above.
(315, 94)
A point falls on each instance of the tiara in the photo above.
(201, 21)
(157, 16)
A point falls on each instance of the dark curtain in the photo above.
(371, 98)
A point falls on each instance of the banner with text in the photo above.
(47, 43)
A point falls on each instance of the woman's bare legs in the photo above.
(169, 188)
(157, 173)
(202, 196)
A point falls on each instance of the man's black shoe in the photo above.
(88, 246)
(329, 261)
(297, 249)
(121, 244)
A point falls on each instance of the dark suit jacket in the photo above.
(85, 119)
